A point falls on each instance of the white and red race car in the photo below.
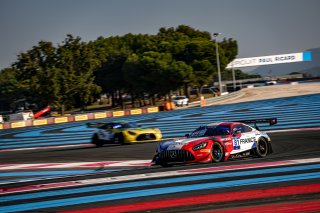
(216, 142)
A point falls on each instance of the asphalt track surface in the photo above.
(286, 181)
(287, 145)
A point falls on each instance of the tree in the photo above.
(10, 89)
(35, 70)
(61, 76)
(74, 82)
(109, 76)
(155, 73)
(196, 49)
(74, 73)
(230, 48)
(227, 75)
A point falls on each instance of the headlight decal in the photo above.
(200, 146)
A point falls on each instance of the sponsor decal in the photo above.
(61, 120)
(153, 109)
(40, 122)
(81, 117)
(100, 115)
(18, 124)
(135, 111)
(118, 113)
(247, 140)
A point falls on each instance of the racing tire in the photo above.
(96, 141)
(119, 139)
(217, 152)
(262, 148)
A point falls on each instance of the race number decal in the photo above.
(236, 143)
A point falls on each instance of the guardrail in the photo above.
(107, 114)
(77, 117)
(211, 101)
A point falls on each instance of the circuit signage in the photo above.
(271, 59)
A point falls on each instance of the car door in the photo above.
(243, 138)
(106, 133)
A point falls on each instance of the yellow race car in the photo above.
(122, 133)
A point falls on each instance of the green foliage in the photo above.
(75, 73)
(10, 89)
(74, 84)
(227, 75)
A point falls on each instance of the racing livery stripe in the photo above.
(210, 198)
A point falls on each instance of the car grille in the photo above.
(147, 136)
(176, 156)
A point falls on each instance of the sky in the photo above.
(261, 27)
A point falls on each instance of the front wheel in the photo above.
(118, 139)
(217, 152)
(262, 147)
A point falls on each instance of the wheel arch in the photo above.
(121, 137)
(223, 151)
(270, 150)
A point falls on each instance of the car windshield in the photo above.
(125, 125)
(204, 131)
(119, 125)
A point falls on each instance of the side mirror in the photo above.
(187, 135)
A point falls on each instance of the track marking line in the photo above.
(154, 175)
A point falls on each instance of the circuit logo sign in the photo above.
(272, 59)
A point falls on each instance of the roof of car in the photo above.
(222, 123)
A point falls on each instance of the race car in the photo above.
(122, 133)
(216, 142)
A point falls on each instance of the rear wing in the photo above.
(271, 121)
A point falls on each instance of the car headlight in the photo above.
(199, 146)
(131, 133)
(157, 130)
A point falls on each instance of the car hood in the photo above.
(177, 144)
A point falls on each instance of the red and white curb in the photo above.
(133, 163)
